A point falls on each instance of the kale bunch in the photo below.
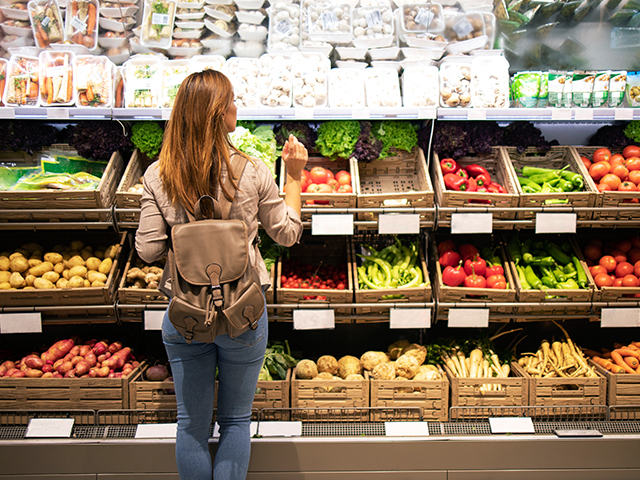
(524, 135)
(28, 136)
(97, 140)
(613, 137)
(302, 131)
(450, 140)
(368, 147)
(484, 135)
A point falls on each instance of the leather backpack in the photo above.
(214, 287)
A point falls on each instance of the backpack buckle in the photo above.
(216, 293)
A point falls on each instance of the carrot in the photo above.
(632, 347)
(91, 20)
(83, 98)
(616, 357)
(74, 8)
(617, 369)
(602, 362)
(43, 35)
(49, 84)
(606, 354)
(617, 345)
(119, 90)
(632, 362)
(33, 90)
(626, 352)
(636, 344)
(90, 95)
(70, 84)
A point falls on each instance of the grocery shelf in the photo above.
(541, 114)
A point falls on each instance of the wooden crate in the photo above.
(66, 393)
(130, 200)
(330, 200)
(466, 392)
(432, 396)
(400, 181)
(128, 295)
(337, 400)
(542, 305)
(629, 212)
(383, 295)
(623, 389)
(65, 296)
(497, 164)
(101, 198)
(559, 391)
(318, 251)
(555, 158)
(471, 296)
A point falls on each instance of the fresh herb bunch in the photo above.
(259, 143)
(302, 131)
(147, 137)
(632, 131)
(395, 134)
(450, 140)
(248, 124)
(523, 135)
(337, 138)
(485, 135)
(277, 360)
(613, 137)
(27, 135)
(368, 147)
(270, 250)
(97, 140)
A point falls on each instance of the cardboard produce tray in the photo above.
(623, 389)
(102, 197)
(626, 211)
(497, 164)
(126, 199)
(399, 181)
(329, 200)
(431, 396)
(555, 158)
(64, 296)
(66, 393)
(559, 391)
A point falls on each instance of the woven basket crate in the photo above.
(128, 295)
(104, 295)
(471, 296)
(629, 212)
(622, 388)
(66, 393)
(330, 200)
(497, 165)
(410, 295)
(558, 391)
(101, 198)
(126, 199)
(337, 400)
(318, 251)
(555, 158)
(431, 396)
(542, 305)
(399, 181)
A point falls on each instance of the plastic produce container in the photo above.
(346, 88)
(157, 23)
(310, 79)
(143, 78)
(94, 78)
(81, 26)
(382, 87)
(46, 22)
(56, 74)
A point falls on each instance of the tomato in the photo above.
(617, 282)
(627, 187)
(609, 263)
(631, 151)
(313, 188)
(623, 268)
(636, 269)
(593, 252)
(632, 163)
(631, 200)
(329, 174)
(601, 154)
(596, 241)
(333, 183)
(603, 187)
(624, 245)
(324, 188)
(599, 170)
(586, 162)
(345, 189)
(621, 171)
(318, 175)
(617, 159)
(597, 269)
(603, 280)
(634, 176)
(618, 255)
(340, 174)
(344, 179)
(612, 180)
(630, 281)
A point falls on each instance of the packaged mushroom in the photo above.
(274, 81)
(373, 27)
(243, 74)
(490, 82)
(455, 83)
(346, 88)
(465, 32)
(284, 27)
(330, 23)
(310, 79)
(421, 17)
(382, 87)
(420, 86)
(198, 63)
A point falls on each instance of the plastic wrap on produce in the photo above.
(23, 79)
(373, 27)
(46, 22)
(455, 83)
(382, 87)
(490, 82)
(243, 74)
(310, 79)
(274, 81)
(94, 81)
(56, 74)
(81, 26)
(284, 28)
(143, 79)
(420, 86)
(173, 73)
(346, 88)
(157, 23)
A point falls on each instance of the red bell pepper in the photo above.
(454, 182)
(483, 180)
(461, 172)
(496, 188)
(476, 265)
(448, 165)
(467, 251)
(474, 170)
(481, 190)
(453, 276)
(446, 245)
(449, 259)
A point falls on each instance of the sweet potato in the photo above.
(118, 359)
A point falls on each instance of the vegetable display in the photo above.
(98, 140)
(147, 137)
(270, 250)
(298, 275)
(81, 21)
(23, 81)
(395, 134)
(46, 22)
(466, 266)
(615, 173)
(277, 360)
(322, 180)
(614, 264)
(157, 23)
(546, 180)
(469, 178)
(622, 359)
(337, 138)
(94, 81)
(56, 74)
(259, 143)
(368, 147)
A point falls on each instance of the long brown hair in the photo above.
(196, 141)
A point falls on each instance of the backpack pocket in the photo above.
(246, 310)
(189, 321)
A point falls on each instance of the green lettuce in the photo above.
(338, 138)
(261, 144)
(395, 133)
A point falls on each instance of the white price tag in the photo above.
(7, 112)
(280, 429)
(79, 25)
(314, 319)
(332, 224)
(471, 222)
(45, 21)
(302, 113)
(556, 222)
(153, 319)
(620, 317)
(59, 71)
(410, 318)
(360, 113)
(468, 317)
(623, 114)
(284, 27)
(477, 114)
(253, 429)
(49, 428)
(463, 28)
(58, 113)
(20, 323)
(583, 114)
(426, 113)
(156, 430)
(373, 17)
(328, 20)
(406, 429)
(159, 19)
(511, 425)
(398, 223)
(424, 17)
(560, 114)
(166, 113)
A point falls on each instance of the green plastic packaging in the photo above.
(543, 96)
(556, 82)
(617, 88)
(600, 94)
(526, 88)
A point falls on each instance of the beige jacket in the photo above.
(257, 199)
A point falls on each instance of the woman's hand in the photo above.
(294, 156)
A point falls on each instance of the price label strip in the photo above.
(468, 318)
(314, 319)
(332, 224)
(511, 425)
(471, 222)
(280, 429)
(398, 223)
(410, 318)
(49, 428)
(556, 222)
(406, 429)
(587, 433)
(20, 323)
(156, 430)
(620, 317)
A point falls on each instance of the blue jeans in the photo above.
(193, 366)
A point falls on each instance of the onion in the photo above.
(157, 373)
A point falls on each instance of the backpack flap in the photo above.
(210, 245)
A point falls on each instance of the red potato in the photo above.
(68, 357)
(57, 375)
(57, 364)
(114, 347)
(33, 373)
(93, 372)
(82, 367)
(33, 361)
(64, 367)
(91, 359)
(75, 351)
(135, 364)
(47, 375)
(23, 367)
(69, 374)
(112, 375)
(91, 342)
(118, 359)
(76, 360)
(3, 370)
(8, 364)
(102, 358)
(11, 371)
(18, 374)
(103, 372)
(100, 347)
(46, 368)
(84, 350)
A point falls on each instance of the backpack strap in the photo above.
(225, 205)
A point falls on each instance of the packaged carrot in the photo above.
(94, 81)
(46, 22)
(81, 25)
(3, 79)
(23, 78)
(56, 73)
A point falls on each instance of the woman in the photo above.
(195, 161)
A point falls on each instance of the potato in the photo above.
(4, 263)
(59, 268)
(87, 283)
(86, 253)
(66, 256)
(79, 271)
(5, 286)
(111, 251)
(51, 276)
(92, 263)
(17, 281)
(348, 365)
(99, 253)
(19, 252)
(75, 260)
(43, 284)
(41, 269)
(77, 245)
(29, 287)
(53, 257)
(65, 273)
(105, 266)
(31, 247)
(4, 276)
(354, 376)
(30, 279)
(62, 283)
(34, 261)
(76, 282)
(93, 276)
(18, 264)
(97, 283)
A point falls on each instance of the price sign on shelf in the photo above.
(468, 317)
(332, 224)
(620, 317)
(49, 428)
(511, 425)
(409, 318)
(556, 222)
(471, 222)
(156, 430)
(398, 223)
(153, 319)
(314, 319)
(20, 323)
